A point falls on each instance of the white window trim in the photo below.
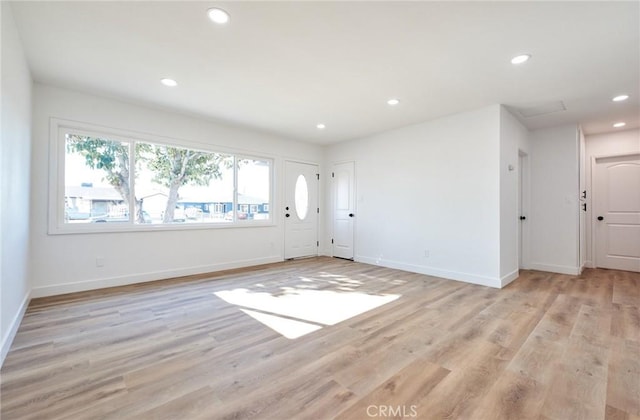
(56, 224)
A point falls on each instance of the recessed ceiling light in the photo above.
(519, 59)
(619, 124)
(393, 102)
(321, 126)
(620, 98)
(169, 82)
(218, 16)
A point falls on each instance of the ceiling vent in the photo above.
(540, 109)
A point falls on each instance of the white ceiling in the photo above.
(283, 67)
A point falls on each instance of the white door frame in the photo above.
(591, 199)
(524, 205)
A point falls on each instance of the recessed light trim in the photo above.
(620, 98)
(321, 126)
(393, 101)
(169, 82)
(619, 124)
(519, 59)
(217, 15)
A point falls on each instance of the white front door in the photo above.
(342, 177)
(300, 210)
(617, 212)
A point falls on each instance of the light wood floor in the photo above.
(548, 346)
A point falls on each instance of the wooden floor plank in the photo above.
(548, 346)
(623, 385)
(403, 389)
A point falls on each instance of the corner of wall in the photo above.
(555, 208)
(15, 169)
(505, 280)
(514, 139)
(7, 340)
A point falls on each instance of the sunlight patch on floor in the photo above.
(294, 312)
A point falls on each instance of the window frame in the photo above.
(56, 200)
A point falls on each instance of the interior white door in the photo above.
(343, 182)
(521, 216)
(617, 212)
(300, 210)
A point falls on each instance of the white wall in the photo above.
(15, 149)
(514, 138)
(433, 186)
(554, 208)
(66, 263)
(608, 144)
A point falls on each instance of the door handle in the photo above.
(523, 217)
(287, 215)
(350, 214)
(600, 218)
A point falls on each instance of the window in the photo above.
(119, 182)
(179, 185)
(95, 168)
(301, 197)
(253, 187)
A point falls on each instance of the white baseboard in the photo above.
(7, 340)
(82, 286)
(589, 264)
(431, 271)
(509, 278)
(561, 269)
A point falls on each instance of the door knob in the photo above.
(350, 214)
(523, 218)
(600, 218)
(286, 215)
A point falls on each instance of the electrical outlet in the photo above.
(99, 261)
(426, 253)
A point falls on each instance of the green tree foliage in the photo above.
(110, 156)
(172, 167)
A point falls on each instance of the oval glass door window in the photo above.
(301, 197)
